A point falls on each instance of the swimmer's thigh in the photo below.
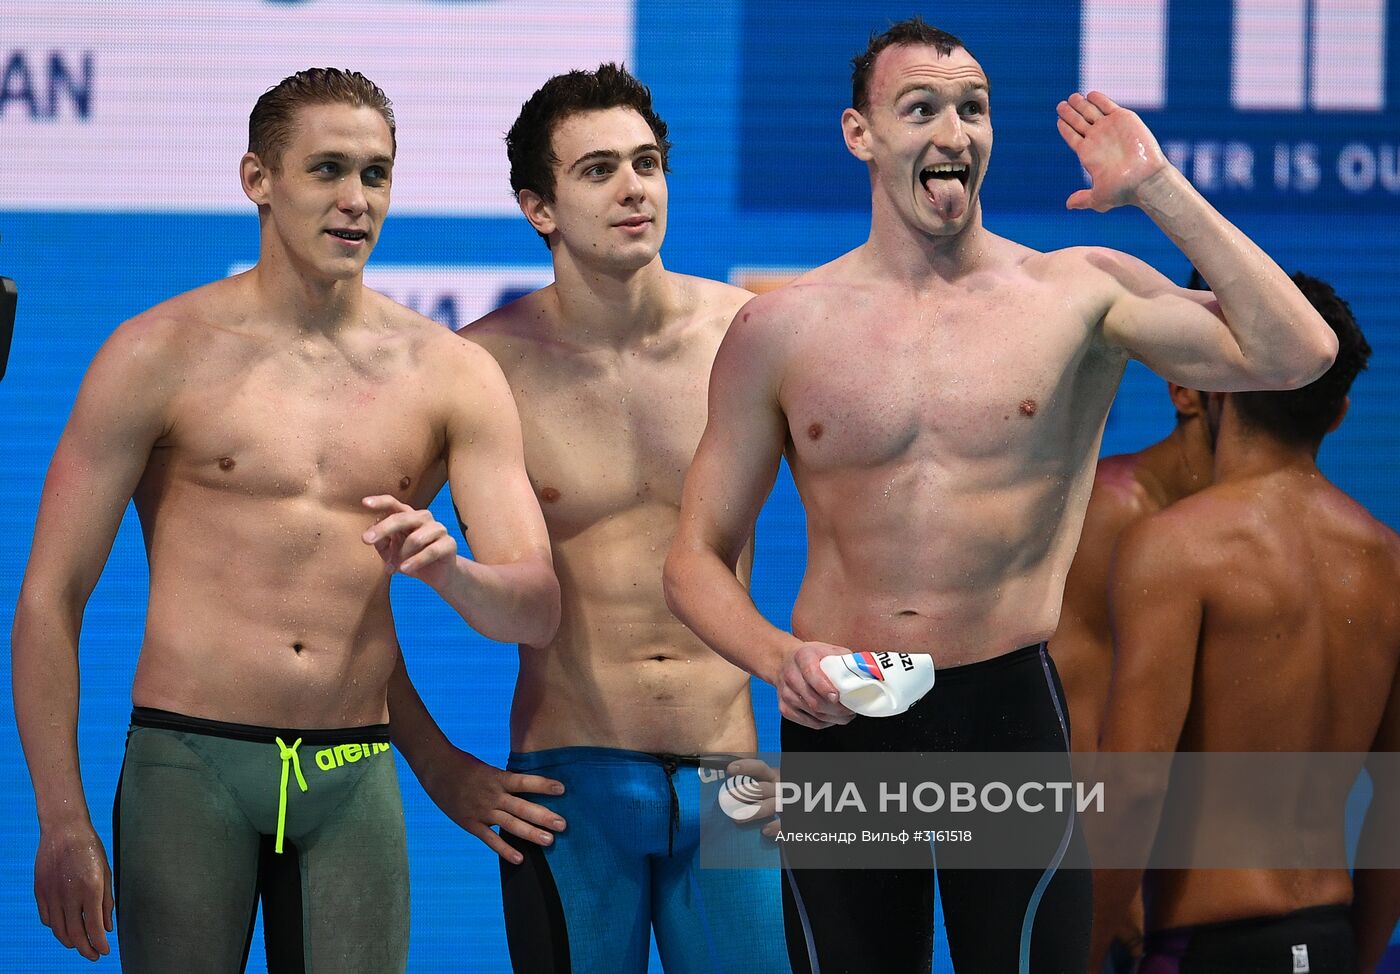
(354, 880)
(186, 861)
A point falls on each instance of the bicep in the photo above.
(118, 417)
(1156, 615)
(736, 463)
(486, 469)
(1178, 333)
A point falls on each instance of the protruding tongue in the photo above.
(948, 196)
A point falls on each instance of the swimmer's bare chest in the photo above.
(971, 388)
(607, 440)
(304, 437)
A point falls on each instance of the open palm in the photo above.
(1114, 146)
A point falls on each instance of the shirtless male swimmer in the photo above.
(625, 706)
(940, 394)
(263, 425)
(1261, 614)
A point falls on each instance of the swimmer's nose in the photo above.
(631, 189)
(948, 132)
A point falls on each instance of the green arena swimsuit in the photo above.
(211, 817)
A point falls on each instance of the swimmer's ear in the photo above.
(537, 211)
(857, 132)
(1341, 414)
(255, 177)
(1187, 402)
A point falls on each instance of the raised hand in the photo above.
(1115, 148)
(411, 541)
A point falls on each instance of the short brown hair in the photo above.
(270, 124)
(907, 32)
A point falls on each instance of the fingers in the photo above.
(797, 715)
(1072, 138)
(497, 844)
(94, 936)
(534, 784)
(1086, 109)
(1080, 200)
(522, 829)
(74, 932)
(755, 768)
(1072, 119)
(528, 811)
(108, 904)
(1102, 102)
(443, 546)
(398, 523)
(385, 504)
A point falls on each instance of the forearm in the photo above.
(1280, 334)
(1114, 890)
(513, 602)
(705, 594)
(44, 676)
(414, 731)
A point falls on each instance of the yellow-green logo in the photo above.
(330, 758)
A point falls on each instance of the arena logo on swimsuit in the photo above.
(330, 758)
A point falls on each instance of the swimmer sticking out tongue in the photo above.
(946, 186)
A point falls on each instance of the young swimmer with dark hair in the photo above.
(940, 395)
(268, 427)
(625, 706)
(1261, 614)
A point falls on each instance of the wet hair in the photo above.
(529, 143)
(270, 124)
(1300, 417)
(913, 31)
(1196, 283)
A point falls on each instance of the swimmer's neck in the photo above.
(1242, 453)
(601, 308)
(305, 303)
(915, 260)
(1179, 465)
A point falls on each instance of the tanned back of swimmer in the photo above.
(1127, 488)
(1260, 614)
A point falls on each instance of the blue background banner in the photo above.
(119, 147)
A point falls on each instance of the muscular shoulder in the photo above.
(162, 342)
(516, 331)
(1192, 538)
(1118, 500)
(712, 300)
(436, 355)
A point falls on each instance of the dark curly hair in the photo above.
(1301, 416)
(529, 142)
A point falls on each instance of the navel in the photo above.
(226, 463)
